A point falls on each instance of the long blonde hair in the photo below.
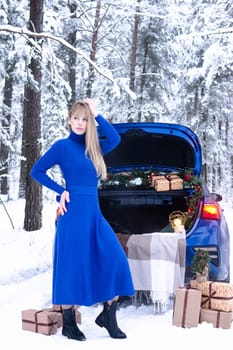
(92, 146)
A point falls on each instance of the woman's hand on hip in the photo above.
(65, 197)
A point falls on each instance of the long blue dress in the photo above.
(89, 264)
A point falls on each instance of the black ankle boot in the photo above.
(107, 319)
(70, 328)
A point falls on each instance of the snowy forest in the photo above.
(141, 60)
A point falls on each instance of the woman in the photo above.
(89, 264)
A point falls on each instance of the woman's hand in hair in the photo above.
(65, 197)
(91, 105)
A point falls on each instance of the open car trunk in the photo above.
(128, 199)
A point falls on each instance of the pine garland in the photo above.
(129, 179)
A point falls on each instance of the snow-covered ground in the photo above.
(25, 282)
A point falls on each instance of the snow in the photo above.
(25, 283)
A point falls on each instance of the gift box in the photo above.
(160, 183)
(186, 308)
(58, 310)
(215, 295)
(175, 182)
(39, 321)
(219, 319)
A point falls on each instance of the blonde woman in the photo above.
(89, 264)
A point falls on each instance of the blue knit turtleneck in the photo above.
(77, 138)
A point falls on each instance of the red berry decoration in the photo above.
(187, 177)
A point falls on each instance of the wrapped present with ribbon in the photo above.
(175, 182)
(187, 306)
(219, 319)
(215, 295)
(39, 321)
(160, 183)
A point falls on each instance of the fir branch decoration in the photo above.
(194, 183)
(129, 179)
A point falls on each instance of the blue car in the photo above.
(135, 200)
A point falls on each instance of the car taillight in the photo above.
(210, 211)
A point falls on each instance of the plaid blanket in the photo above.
(157, 263)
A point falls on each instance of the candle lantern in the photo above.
(177, 221)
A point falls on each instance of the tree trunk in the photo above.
(31, 144)
(6, 112)
(93, 48)
(134, 45)
(204, 120)
(143, 79)
(72, 58)
(133, 59)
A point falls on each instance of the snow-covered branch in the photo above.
(24, 31)
(219, 31)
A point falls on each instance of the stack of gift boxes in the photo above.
(45, 321)
(167, 183)
(210, 302)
